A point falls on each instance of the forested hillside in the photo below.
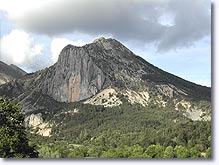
(123, 132)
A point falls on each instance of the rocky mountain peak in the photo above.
(104, 67)
(82, 72)
(109, 44)
(101, 39)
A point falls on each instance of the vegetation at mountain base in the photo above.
(13, 138)
(127, 131)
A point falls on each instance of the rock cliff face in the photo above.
(74, 77)
(81, 72)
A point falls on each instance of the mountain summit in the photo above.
(103, 73)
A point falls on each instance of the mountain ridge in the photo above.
(9, 72)
(101, 66)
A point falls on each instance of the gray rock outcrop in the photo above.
(74, 77)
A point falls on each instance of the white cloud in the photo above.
(18, 9)
(18, 48)
(58, 44)
(170, 24)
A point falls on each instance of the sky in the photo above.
(174, 35)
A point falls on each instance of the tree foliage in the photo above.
(169, 152)
(13, 139)
(208, 153)
(181, 152)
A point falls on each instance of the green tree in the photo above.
(110, 154)
(95, 151)
(169, 152)
(44, 152)
(194, 152)
(151, 151)
(47, 151)
(79, 152)
(13, 139)
(159, 151)
(208, 153)
(155, 151)
(181, 152)
(136, 152)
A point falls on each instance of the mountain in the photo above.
(102, 100)
(9, 72)
(100, 73)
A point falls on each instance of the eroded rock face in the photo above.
(169, 90)
(36, 122)
(33, 120)
(81, 72)
(74, 77)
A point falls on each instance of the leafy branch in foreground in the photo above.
(13, 138)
